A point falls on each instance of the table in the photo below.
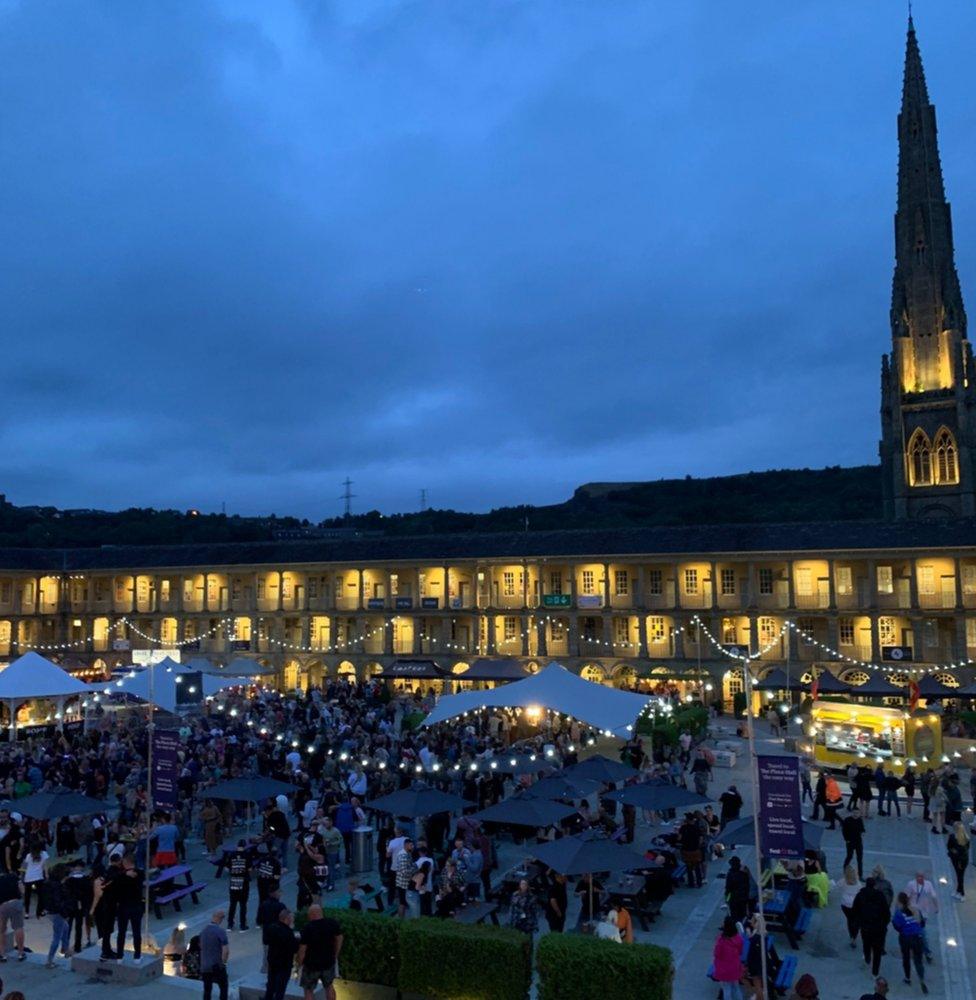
(777, 905)
(628, 888)
(476, 913)
(166, 875)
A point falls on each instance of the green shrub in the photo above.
(693, 718)
(574, 966)
(739, 704)
(370, 946)
(448, 961)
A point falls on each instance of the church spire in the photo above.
(926, 306)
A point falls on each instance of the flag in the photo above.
(913, 696)
(814, 688)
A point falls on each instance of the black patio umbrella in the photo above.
(877, 687)
(967, 691)
(421, 801)
(743, 831)
(247, 789)
(523, 763)
(54, 805)
(522, 811)
(583, 855)
(559, 787)
(602, 769)
(777, 680)
(658, 797)
(932, 689)
(828, 683)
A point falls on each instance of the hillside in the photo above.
(788, 495)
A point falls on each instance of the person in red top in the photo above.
(727, 960)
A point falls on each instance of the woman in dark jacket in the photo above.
(737, 890)
(957, 847)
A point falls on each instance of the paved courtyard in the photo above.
(688, 925)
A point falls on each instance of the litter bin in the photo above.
(362, 849)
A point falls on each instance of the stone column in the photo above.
(572, 634)
(524, 622)
(607, 600)
(388, 635)
(541, 637)
(490, 636)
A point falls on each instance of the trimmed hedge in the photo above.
(370, 946)
(448, 961)
(572, 966)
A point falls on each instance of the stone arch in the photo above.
(372, 669)
(624, 675)
(593, 672)
(291, 675)
(899, 680)
(944, 677)
(856, 676)
(346, 671)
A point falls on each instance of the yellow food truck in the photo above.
(841, 733)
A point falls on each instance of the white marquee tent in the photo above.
(32, 676)
(166, 675)
(557, 689)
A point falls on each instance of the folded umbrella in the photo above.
(602, 769)
(657, 798)
(520, 810)
(421, 801)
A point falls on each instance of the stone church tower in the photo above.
(928, 422)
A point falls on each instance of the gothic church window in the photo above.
(946, 468)
(920, 459)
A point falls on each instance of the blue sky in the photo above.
(490, 248)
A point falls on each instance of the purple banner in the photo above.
(166, 768)
(780, 816)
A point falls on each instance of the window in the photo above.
(621, 631)
(804, 582)
(768, 630)
(886, 632)
(856, 677)
(313, 588)
(926, 579)
(736, 682)
(765, 580)
(508, 583)
(968, 579)
(656, 630)
(5, 592)
(121, 591)
(727, 581)
(557, 630)
(235, 589)
(970, 633)
(691, 581)
(555, 582)
(730, 632)
(808, 629)
(509, 628)
(164, 590)
(655, 581)
(287, 586)
(262, 586)
(845, 582)
(930, 633)
(394, 584)
(621, 582)
(846, 631)
(920, 459)
(588, 582)
(886, 584)
(946, 470)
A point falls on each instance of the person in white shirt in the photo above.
(395, 846)
(293, 760)
(923, 898)
(35, 871)
(426, 757)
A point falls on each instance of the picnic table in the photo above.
(477, 913)
(629, 889)
(163, 888)
(372, 896)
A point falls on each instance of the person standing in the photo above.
(105, 905)
(423, 880)
(909, 779)
(888, 799)
(806, 791)
(522, 915)
(12, 914)
(957, 847)
(738, 888)
(925, 785)
(35, 872)
(404, 867)
(937, 806)
(282, 946)
(318, 953)
(852, 829)
(820, 796)
(277, 830)
(129, 902)
(166, 833)
(332, 845)
(268, 910)
(238, 884)
(58, 908)
(214, 954)
(849, 888)
(557, 901)
(909, 926)
(924, 901)
(268, 872)
(833, 801)
(731, 803)
(81, 890)
(727, 960)
(691, 842)
(873, 916)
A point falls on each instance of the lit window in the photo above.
(588, 582)
(845, 582)
(767, 630)
(920, 459)
(621, 582)
(509, 628)
(804, 581)
(846, 628)
(946, 470)
(691, 581)
(555, 582)
(968, 579)
(765, 580)
(508, 583)
(394, 584)
(735, 681)
(808, 626)
(655, 581)
(557, 629)
(727, 580)
(886, 583)
(656, 630)
(730, 632)
(971, 632)
(926, 579)
(886, 631)
(621, 631)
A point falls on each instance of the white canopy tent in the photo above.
(167, 675)
(557, 689)
(32, 676)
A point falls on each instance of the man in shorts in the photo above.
(11, 914)
(318, 953)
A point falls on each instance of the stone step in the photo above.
(128, 972)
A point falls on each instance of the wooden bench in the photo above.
(176, 895)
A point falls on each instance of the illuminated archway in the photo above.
(593, 672)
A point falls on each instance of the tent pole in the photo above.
(149, 786)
